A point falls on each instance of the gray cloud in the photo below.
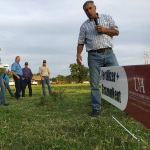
(42, 29)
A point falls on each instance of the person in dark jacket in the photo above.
(27, 76)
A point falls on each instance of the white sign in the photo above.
(114, 86)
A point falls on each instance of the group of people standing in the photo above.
(22, 78)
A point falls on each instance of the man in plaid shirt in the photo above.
(97, 34)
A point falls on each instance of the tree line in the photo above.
(78, 74)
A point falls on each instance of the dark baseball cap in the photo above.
(26, 63)
(44, 61)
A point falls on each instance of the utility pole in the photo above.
(146, 57)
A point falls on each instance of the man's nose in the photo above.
(89, 11)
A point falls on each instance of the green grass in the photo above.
(63, 123)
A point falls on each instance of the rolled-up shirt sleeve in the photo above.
(13, 67)
(81, 39)
(112, 24)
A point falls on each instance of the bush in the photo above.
(43, 101)
(58, 95)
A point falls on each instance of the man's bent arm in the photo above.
(40, 74)
(13, 72)
(111, 32)
(79, 51)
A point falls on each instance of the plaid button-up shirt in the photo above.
(91, 38)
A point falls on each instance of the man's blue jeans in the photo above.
(95, 62)
(26, 81)
(2, 95)
(46, 81)
(9, 90)
(18, 85)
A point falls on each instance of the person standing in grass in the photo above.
(17, 76)
(6, 82)
(45, 77)
(2, 94)
(97, 34)
(26, 77)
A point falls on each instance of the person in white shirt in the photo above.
(45, 77)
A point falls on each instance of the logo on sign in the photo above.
(139, 84)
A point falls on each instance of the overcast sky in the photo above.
(48, 29)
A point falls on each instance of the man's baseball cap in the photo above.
(26, 63)
(44, 61)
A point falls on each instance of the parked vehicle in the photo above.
(34, 82)
(11, 83)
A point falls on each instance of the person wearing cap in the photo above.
(45, 77)
(6, 82)
(26, 77)
(16, 70)
(2, 89)
(96, 33)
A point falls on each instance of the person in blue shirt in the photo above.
(6, 82)
(2, 90)
(17, 76)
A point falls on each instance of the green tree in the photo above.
(10, 75)
(34, 74)
(53, 79)
(60, 78)
(68, 79)
(79, 73)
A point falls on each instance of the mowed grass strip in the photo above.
(63, 122)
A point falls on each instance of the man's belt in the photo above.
(44, 76)
(100, 50)
(26, 78)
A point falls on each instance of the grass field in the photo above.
(62, 122)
